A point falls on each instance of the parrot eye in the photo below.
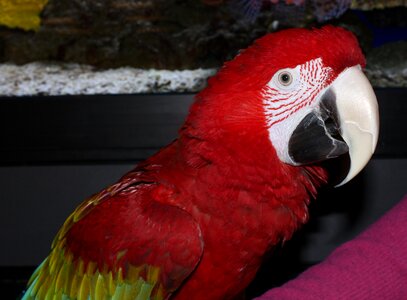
(285, 78)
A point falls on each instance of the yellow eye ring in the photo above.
(285, 78)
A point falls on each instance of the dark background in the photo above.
(56, 151)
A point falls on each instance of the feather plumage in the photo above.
(74, 271)
(195, 220)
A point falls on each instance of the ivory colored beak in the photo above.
(358, 116)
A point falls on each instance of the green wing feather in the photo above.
(65, 275)
(60, 276)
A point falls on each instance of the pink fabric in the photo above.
(372, 266)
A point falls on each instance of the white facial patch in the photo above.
(288, 97)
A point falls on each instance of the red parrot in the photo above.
(195, 220)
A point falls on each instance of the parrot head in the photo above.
(305, 92)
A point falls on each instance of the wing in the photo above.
(120, 244)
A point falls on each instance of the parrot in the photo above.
(196, 219)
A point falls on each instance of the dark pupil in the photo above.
(285, 78)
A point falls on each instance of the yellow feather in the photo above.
(53, 262)
(76, 281)
(51, 290)
(84, 290)
(42, 284)
(82, 210)
(61, 278)
(59, 295)
(111, 284)
(90, 270)
(92, 285)
(133, 273)
(42, 291)
(120, 277)
(100, 289)
(59, 239)
(153, 274)
(70, 273)
(80, 267)
(69, 258)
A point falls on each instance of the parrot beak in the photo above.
(346, 121)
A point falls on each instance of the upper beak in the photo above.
(359, 117)
(346, 120)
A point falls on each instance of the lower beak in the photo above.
(346, 121)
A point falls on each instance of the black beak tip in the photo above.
(337, 168)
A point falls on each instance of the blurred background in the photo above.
(90, 88)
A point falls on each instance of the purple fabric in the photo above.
(372, 266)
